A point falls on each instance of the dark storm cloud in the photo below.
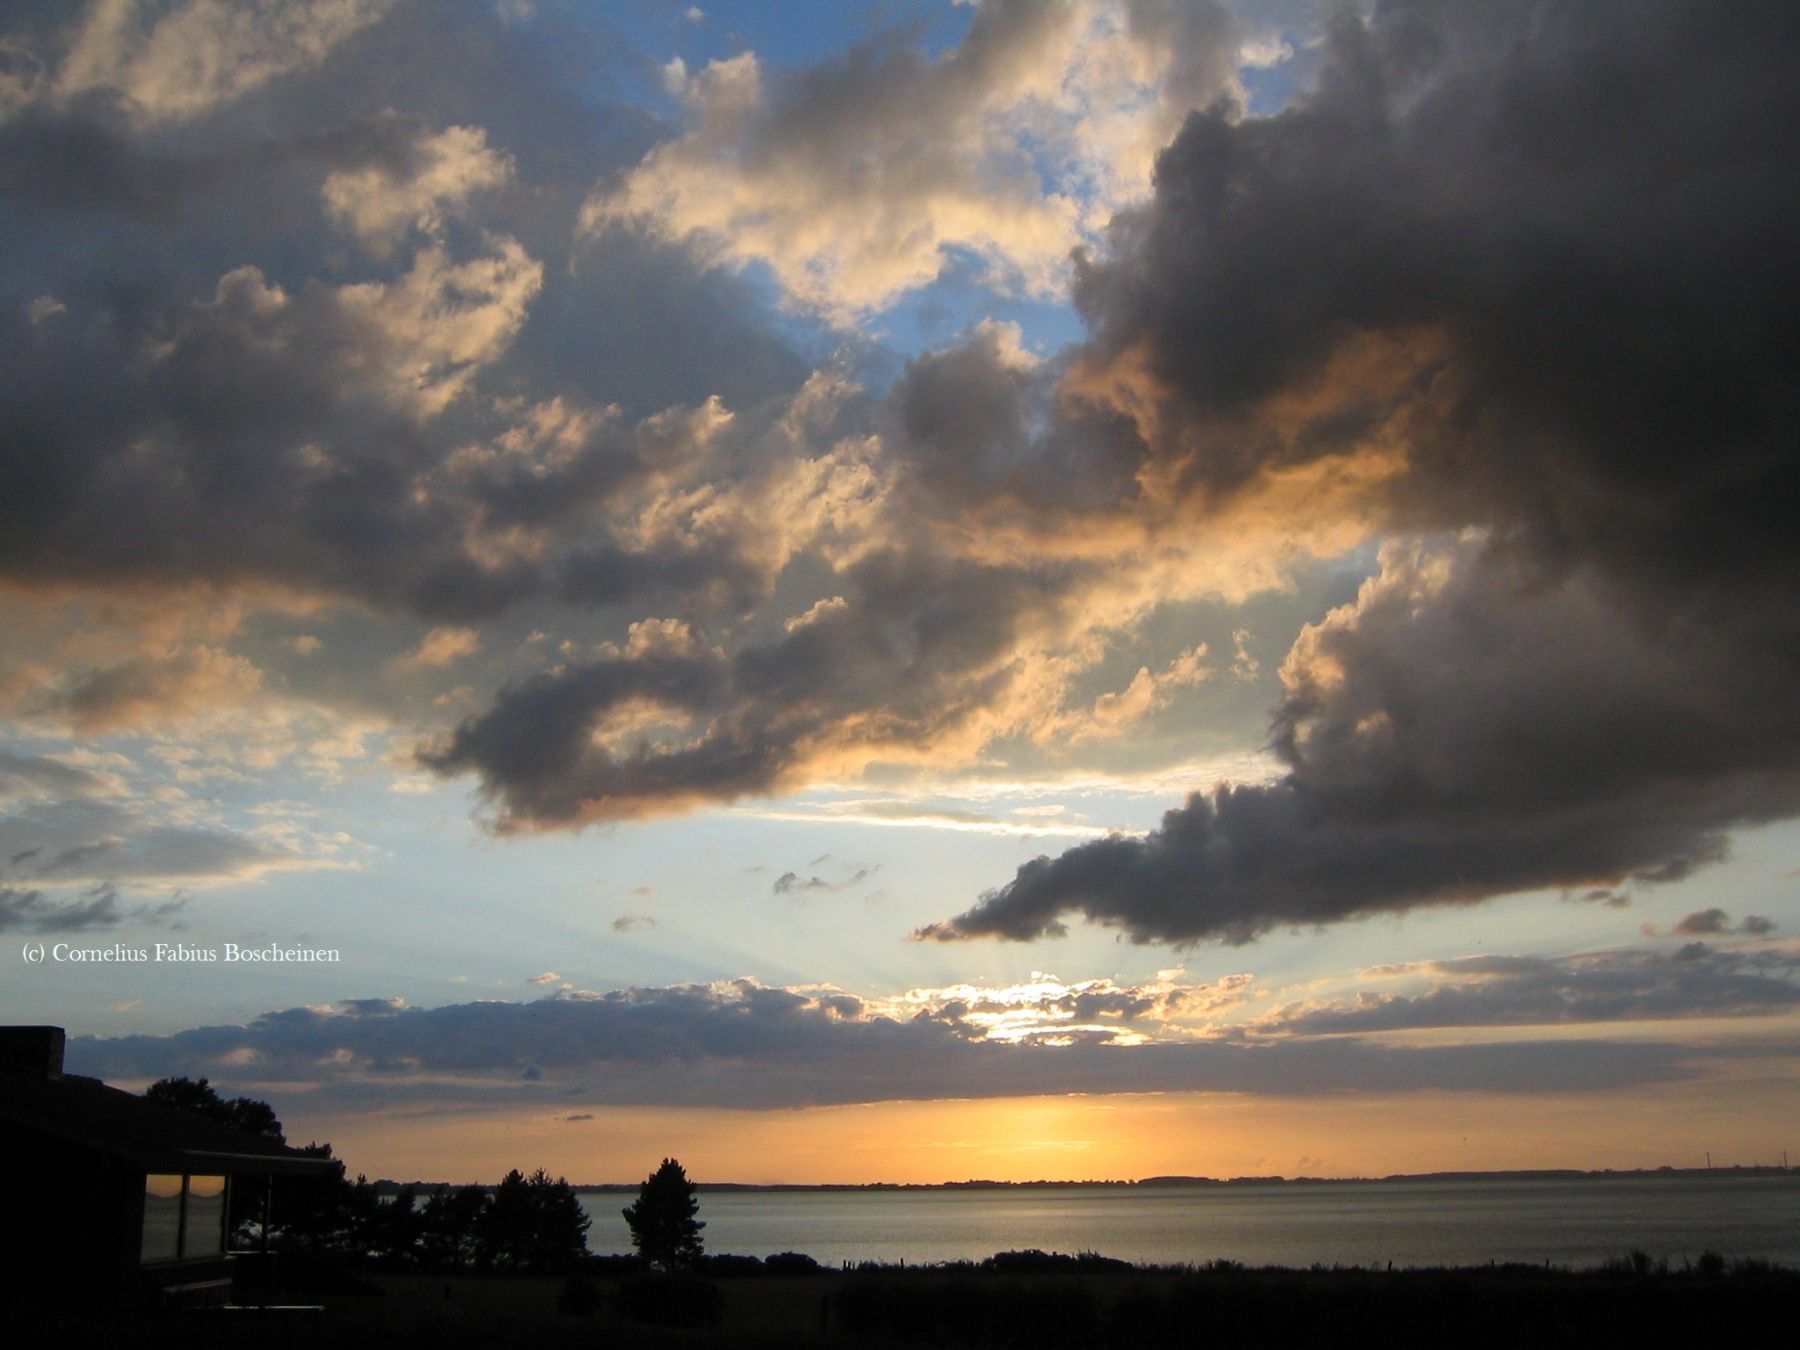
(1623, 986)
(1568, 225)
(750, 1046)
(1449, 737)
(1588, 200)
(918, 657)
(979, 421)
(84, 160)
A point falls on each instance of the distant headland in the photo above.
(1177, 1181)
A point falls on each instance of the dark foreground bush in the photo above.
(1031, 1261)
(964, 1310)
(792, 1263)
(670, 1300)
(727, 1266)
(613, 1267)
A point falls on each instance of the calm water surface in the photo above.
(1568, 1223)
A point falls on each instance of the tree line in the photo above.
(526, 1223)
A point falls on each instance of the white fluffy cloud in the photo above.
(857, 181)
(176, 61)
(380, 202)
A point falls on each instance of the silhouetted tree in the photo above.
(533, 1223)
(450, 1225)
(663, 1227)
(561, 1223)
(240, 1113)
(316, 1211)
(394, 1229)
(506, 1223)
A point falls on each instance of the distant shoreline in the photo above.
(1173, 1182)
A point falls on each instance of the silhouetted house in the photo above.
(111, 1198)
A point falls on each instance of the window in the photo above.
(203, 1230)
(184, 1216)
(162, 1218)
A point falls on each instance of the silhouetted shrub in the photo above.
(1710, 1265)
(1637, 1264)
(1030, 1261)
(792, 1263)
(727, 1266)
(1757, 1268)
(1092, 1263)
(670, 1299)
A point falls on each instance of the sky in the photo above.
(909, 591)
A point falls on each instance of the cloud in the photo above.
(857, 179)
(744, 1045)
(103, 832)
(1447, 738)
(790, 883)
(918, 814)
(30, 911)
(305, 395)
(1706, 921)
(433, 430)
(96, 907)
(223, 396)
(633, 923)
(339, 356)
(442, 646)
(156, 690)
(1617, 986)
(44, 776)
(1146, 694)
(380, 202)
(1050, 1011)
(1711, 922)
(182, 60)
(434, 327)
(370, 1007)
(1573, 672)
(1244, 665)
(925, 662)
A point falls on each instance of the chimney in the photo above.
(37, 1051)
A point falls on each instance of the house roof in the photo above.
(88, 1113)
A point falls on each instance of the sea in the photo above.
(1567, 1223)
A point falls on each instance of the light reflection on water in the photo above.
(1567, 1223)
